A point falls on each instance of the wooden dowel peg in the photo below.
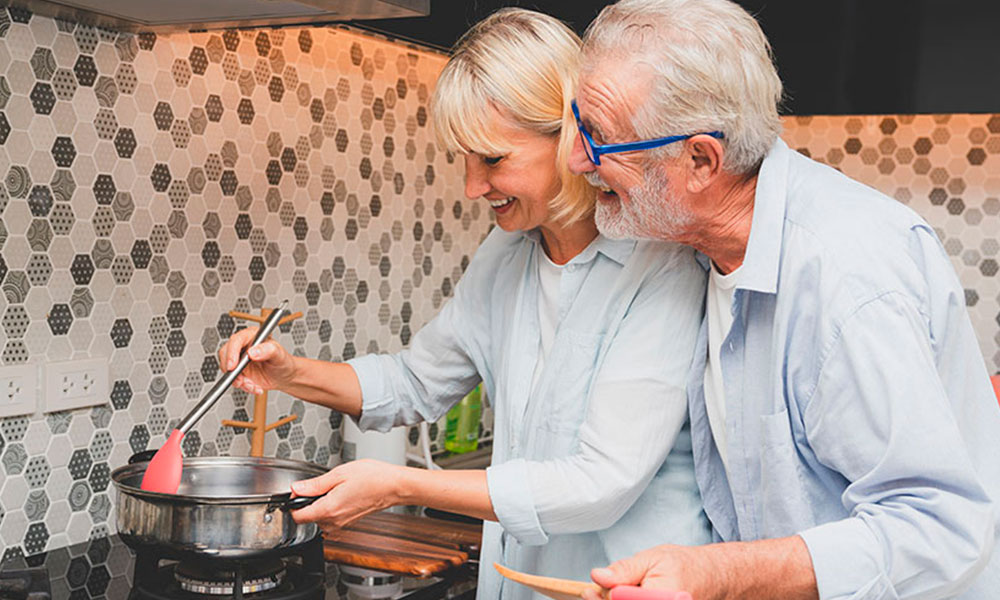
(248, 317)
(281, 422)
(259, 425)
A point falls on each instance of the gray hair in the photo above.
(713, 71)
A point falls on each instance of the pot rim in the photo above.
(128, 471)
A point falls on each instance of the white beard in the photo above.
(653, 212)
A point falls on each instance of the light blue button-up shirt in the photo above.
(580, 474)
(859, 411)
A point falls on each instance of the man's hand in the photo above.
(764, 569)
(676, 568)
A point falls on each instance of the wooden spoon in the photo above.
(567, 589)
(560, 589)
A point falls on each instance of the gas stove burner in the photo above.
(258, 576)
(367, 584)
(293, 573)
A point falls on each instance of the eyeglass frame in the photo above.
(594, 151)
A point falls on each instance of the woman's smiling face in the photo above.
(520, 183)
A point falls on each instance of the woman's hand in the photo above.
(271, 366)
(352, 490)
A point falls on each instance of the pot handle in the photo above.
(299, 502)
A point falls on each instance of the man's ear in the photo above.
(704, 155)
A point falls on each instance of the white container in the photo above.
(387, 447)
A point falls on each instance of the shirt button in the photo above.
(731, 346)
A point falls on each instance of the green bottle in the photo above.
(461, 432)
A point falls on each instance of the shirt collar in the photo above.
(616, 250)
(762, 260)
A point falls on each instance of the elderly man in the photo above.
(847, 440)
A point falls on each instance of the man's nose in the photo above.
(578, 161)
(475, 179)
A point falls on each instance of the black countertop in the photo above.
(103, 568)
(99, 568)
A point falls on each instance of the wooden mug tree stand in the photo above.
(259, 424)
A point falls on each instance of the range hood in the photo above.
(138, 15)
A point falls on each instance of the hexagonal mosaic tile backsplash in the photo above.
(152, 183)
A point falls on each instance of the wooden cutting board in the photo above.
(404, 544)
(422, 529)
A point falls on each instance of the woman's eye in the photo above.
(492, 160)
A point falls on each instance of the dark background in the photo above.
(834, 56)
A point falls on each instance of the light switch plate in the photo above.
(76, 384)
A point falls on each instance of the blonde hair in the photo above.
(522, 64)
(713, 71)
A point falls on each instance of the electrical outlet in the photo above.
(76, 384)
(18, 390)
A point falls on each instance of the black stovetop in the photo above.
(99, 568)
(106, 568)
(102, 568)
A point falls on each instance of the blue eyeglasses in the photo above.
(594, 151)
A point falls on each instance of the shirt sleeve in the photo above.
(420, 383)
(442, 363)
(921, 524)
(636, 408)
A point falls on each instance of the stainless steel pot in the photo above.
(233, 507)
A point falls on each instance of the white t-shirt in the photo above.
(549, 278)
(721, 289)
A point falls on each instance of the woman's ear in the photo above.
(704, 155)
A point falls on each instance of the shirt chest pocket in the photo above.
(564, 394)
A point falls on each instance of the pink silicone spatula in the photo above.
(164, 471)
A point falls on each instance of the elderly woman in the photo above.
(582, 342)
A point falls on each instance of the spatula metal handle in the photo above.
(226, 380)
